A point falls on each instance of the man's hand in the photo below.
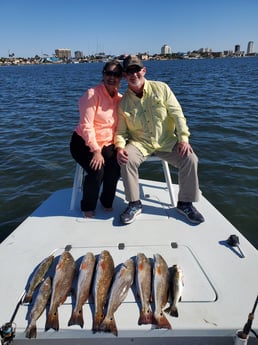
(122, 156)
(184, 149)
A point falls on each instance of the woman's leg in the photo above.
(111, 176)
(92, 181)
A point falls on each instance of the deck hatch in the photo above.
(197, 283)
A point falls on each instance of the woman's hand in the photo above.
(97, 160)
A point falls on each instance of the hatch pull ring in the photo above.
(7, 332)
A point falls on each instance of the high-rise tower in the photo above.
(250, 47)
(165, 49)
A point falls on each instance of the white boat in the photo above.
(220, 280)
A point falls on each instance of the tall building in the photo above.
(165, 49)
(250, 47)
(78, 54)
(63, 53)
(237, 49)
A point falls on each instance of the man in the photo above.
(151, 122)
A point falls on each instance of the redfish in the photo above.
(83, 289)
(62, 284)
(123, 280)
(103, 278)
(160, 286)
(143, 283)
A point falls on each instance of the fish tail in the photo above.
(145, 318)
(76, 318)
(95, 326)
(97, 320)
(52, 321)
(109, 325)
(31, 331)
(172, 311)
(161, 321)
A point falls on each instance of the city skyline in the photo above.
(165, 50)
(38, 28)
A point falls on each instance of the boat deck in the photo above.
(220, 285)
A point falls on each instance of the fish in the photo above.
(160, 287)
(85, 276)
(38, 277)
(176, 288)
(38, 307)
(124, 279)
(62, 284)
(103, 278)
(143, 283)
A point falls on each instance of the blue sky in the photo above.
(30, 27)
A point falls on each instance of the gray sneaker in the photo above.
(188, 210)
(133, 209)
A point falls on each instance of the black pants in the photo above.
(108, 175)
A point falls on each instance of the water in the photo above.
(39, 110)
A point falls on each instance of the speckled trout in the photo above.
(38, 307)
(175, 287)
(38, 277)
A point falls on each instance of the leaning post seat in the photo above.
(79, 173)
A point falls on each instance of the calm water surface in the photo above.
(39, 110)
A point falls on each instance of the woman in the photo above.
(92, 141)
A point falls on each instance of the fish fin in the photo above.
(161, 321)
(52, 321)
(27, 298)
(76, 318)
(109, 325)
(31, 331)
(172, 311)
(145, 318)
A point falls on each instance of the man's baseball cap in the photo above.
(132, 60)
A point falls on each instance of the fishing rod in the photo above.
(7, 331)
(248, 325)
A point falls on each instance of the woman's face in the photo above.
(112, 76)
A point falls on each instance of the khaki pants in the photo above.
(187, 173)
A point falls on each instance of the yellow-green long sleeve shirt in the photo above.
(154, 122)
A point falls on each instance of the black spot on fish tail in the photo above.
(52, 321)
(109, 325)
(145, 318)
(76, 319)
(96, 323)
(160, 321)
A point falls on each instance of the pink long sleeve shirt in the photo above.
(98, 117)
